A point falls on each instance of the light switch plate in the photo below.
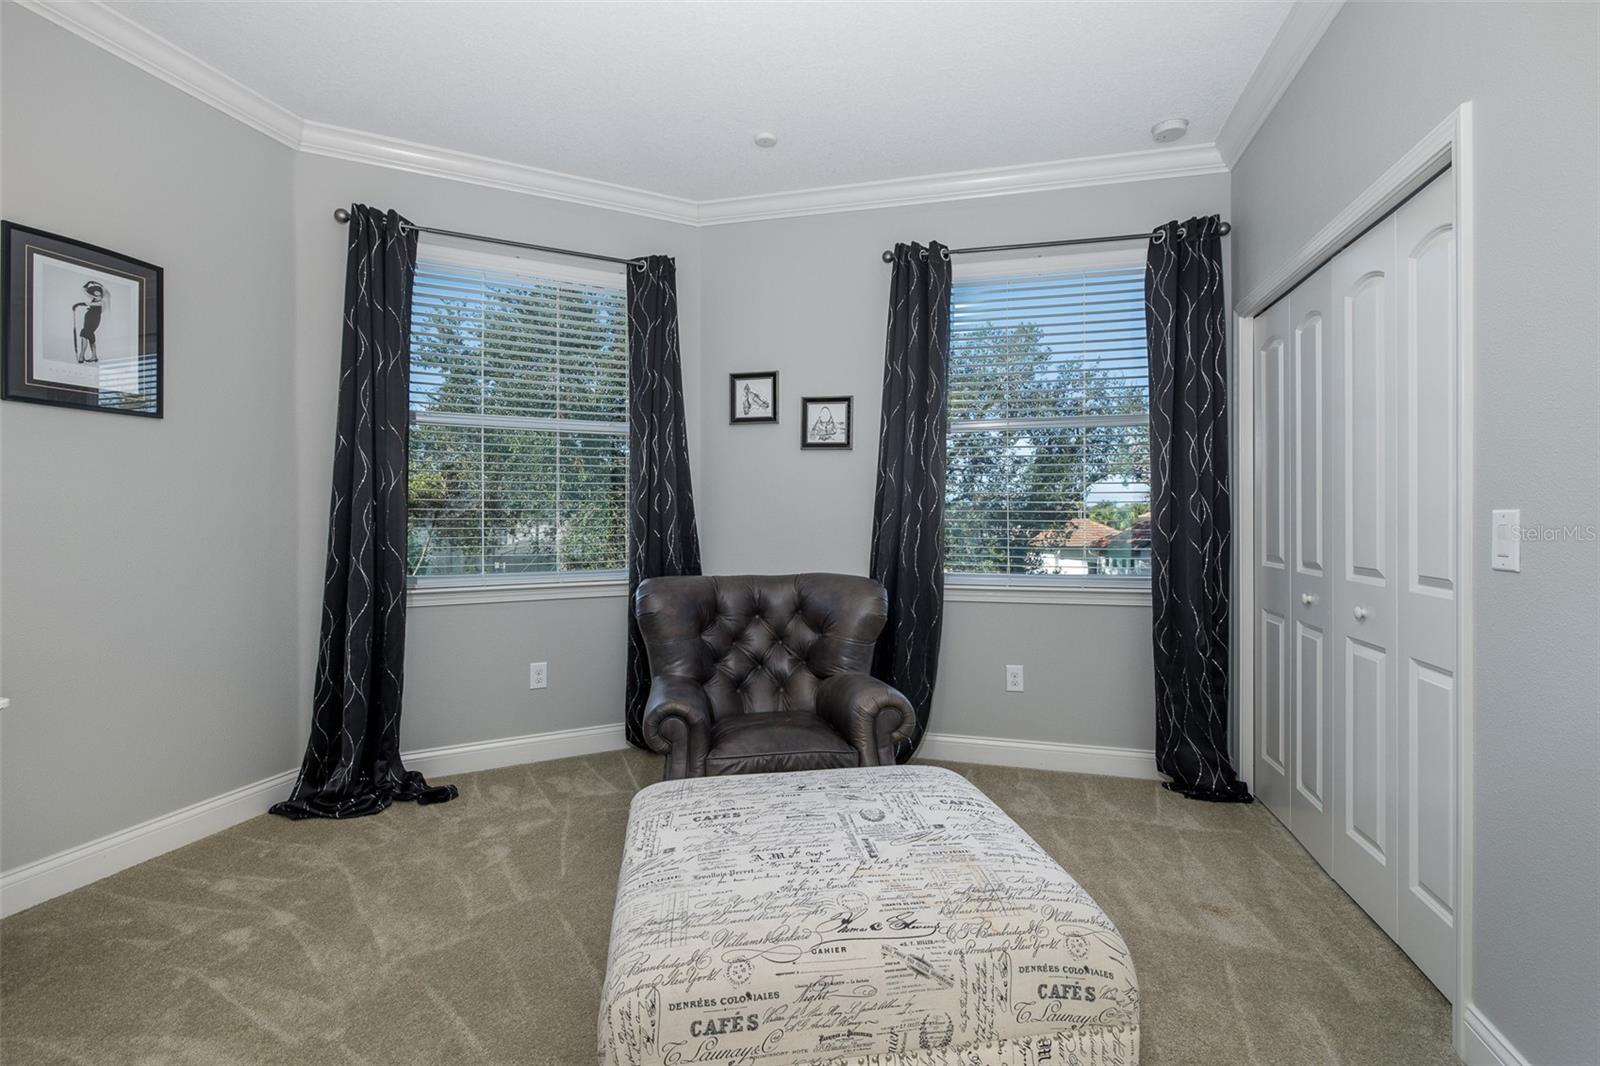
(1505, 543)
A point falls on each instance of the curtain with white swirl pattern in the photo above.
(352, 764)
(908, 511)
(662, 538)
(1186, 321)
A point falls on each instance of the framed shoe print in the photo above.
(753, 398)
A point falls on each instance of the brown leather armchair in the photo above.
(761, 674)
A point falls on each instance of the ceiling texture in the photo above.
(667, 97)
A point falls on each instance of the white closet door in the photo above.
(1272, 783)
(1356, 573)
(1428, 711)
(1365, 630)
(1311, 601)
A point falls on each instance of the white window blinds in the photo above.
(1049, 445)
(519, 445)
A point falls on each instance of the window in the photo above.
(519, 436)
(1049, 445)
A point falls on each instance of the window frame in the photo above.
(459, 589)
(961, 587)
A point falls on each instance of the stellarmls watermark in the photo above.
(1540, 533)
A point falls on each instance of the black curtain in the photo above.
(352, 765)
(908, 512)
(662, 540)
(1190, 517)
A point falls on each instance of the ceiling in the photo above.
(667, 97)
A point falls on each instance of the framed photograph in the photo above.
(825, 421)
(82, 324)
(753, 397)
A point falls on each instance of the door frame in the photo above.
(1449, 144)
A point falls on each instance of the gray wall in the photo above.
(807, 297)
(466, 666)
(1382, 77)
(249, 478)
(163, 579)
(150, 636)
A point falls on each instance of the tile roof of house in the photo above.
(1077, 533)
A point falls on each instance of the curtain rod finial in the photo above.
(341, 215)
(888, 257)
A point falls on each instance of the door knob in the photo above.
(1307, 598)
(1360, 613)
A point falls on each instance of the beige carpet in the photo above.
(475, 932)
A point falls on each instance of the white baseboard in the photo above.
(1484, 1045)
(32, 884)
(35, 882)
(514, 751)
(1041, 755)
(25, 886)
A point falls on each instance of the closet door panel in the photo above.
(1312, 598)
(1274, 415)
(1368, 321)
(1429, 712)
(1365, 859)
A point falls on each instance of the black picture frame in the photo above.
(821, 430)
(745, 407)
(111, 360)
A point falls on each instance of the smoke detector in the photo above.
(1169, 130)
(766, 140)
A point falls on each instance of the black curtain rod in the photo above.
(342, 215)
(1224, 230)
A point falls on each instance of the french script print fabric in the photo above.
(886, 916)
(662, 538)
(352, 764)
(908, 510)
(1190, 509)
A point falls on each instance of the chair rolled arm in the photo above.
(677, 723)
(873, 716)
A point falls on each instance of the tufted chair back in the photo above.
(759, 644)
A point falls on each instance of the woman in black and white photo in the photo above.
(93, 308)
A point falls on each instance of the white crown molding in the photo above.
(1307, 21)
(357, 146)
(1186, 161)
(102, 25)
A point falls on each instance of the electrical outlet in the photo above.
(1013, 679)
(538, 675)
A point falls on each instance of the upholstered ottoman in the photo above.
(882, 916)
